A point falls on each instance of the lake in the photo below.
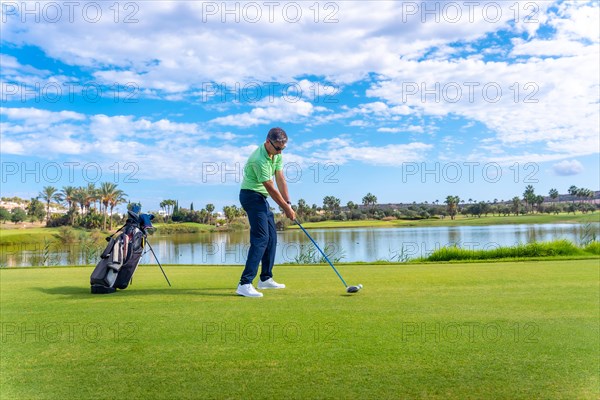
(345, 245)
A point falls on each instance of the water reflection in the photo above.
(364, 244)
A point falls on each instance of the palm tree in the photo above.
(331, 203)
(529, 196)
(91, 196)
(584, 193)
(370, 199)
(109, 195)
(104, 194)
(79, 198)
(303, 208)
(516, 205)
(452, 205)
(539, 199)
(48, 194)
(118, 197)
(68, 193)
(209, 209)
(573, 191)
(553, 193)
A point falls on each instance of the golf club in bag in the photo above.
(122, 255)
(349, 289)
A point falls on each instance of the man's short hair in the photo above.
(277, 135)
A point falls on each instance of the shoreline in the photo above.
(17, 235)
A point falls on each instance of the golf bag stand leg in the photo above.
(158, 262)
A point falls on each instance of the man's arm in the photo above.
(278, 198)
(282, 185)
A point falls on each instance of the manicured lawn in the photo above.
(507, 330)
(26, 235)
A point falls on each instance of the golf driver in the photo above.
(349, 289)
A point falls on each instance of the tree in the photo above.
(169, 206)
(516, 205)
(484, 208)
(49, 194)
(106, 193)
(117, 197)
(331, 203)
(529, 196)
(68, 194)
(4, 215)
(538, 200)
(452, 205)
(303, 209)
(553, 193)
(79, 199)
(573, 191)
(91, 196)
(17, 215)
(369, 200)
(352, 206)
(35, 210)
(583, 193)
(231, 212)
(209, 209)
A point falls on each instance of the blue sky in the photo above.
(410, 101)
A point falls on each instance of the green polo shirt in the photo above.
(260, 168)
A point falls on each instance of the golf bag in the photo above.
(122, 255)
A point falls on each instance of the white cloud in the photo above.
(568, 168)
(544, 102)
(577, 20)
(174, 47)
(388, 155)
(389, 130)
(164, 149)
(342, 150)
(277, 109)
(411, 128)
(36, 115)
(562, 47)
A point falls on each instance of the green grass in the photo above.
(459, 221)
(18, 236)
(514, 330)
(27, 235)
(184, 227)
(557, 248)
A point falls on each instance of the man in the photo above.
(264, 163)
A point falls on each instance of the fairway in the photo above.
(505, 330)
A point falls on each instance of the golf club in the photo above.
(349, 289)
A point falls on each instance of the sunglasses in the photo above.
(276, 147)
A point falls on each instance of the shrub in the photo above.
(593, 247)
(66, 235)
(547, 249)
(58, 220)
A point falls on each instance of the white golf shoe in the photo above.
(270, 284)
(248, 290)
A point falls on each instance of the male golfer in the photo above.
(257, 185)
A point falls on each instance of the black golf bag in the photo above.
(122, 255)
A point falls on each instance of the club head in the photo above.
(353, 289)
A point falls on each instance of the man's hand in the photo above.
(278, 198)
(289, 212)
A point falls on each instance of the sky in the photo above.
(409, 101)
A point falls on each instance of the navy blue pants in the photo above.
(263, 236)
